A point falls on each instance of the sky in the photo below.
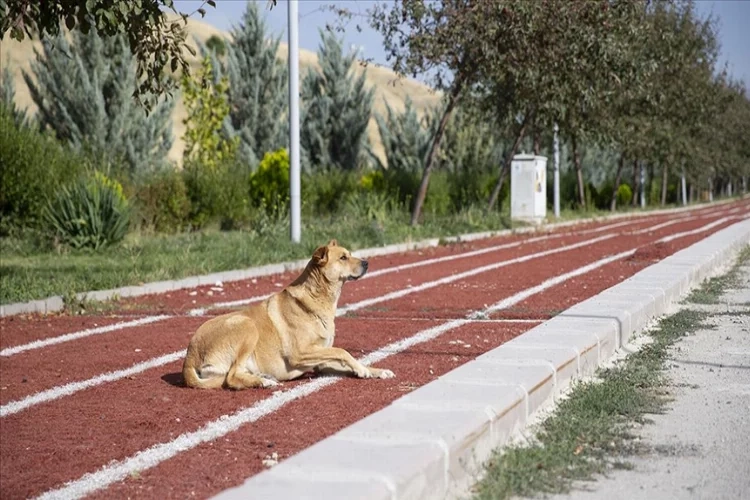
(733, 19)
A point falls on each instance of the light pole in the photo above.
(556, 195)
(294, 173)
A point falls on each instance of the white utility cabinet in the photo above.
(528, 188)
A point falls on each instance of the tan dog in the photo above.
(284, 336)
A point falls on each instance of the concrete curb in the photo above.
(55, 303)
(431, 442)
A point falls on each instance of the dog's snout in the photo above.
(365, 264)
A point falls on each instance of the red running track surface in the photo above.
(48, 444)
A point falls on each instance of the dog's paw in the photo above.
(269, 382)
(378, 373)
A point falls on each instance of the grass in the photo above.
(709, 293)
(28, 273)
(29, 270)
(591, 432)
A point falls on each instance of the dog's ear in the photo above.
(320, 256)
(333, 243)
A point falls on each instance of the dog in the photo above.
(288, 334)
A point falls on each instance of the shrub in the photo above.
(32, 166)
(324, 191)
(162, 201)
(91, 213)
(269, 184)
(216, 182)
(624, 195)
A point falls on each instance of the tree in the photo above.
(207, 107)
(337, 109)
(258, 96)
(7, 98)
(423, 36)
(156, 43)
(83, 91)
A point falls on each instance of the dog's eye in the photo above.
(344, 257)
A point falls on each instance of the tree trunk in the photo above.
(579, 173)
(506, 166)
(422, 193)
(618, 178)
(537, 141)
(636, 182)
(664, 180)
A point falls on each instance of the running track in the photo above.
(93, 406)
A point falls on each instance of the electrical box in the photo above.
(528, 188)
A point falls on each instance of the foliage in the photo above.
(7, 98)
(258, 96)
(269, 184)
(162, 201)
(217, 45)
(156, 43)
(92, 213)
(216, 181)
(324, 191)
(83, 92)
(32, 165)
(336, 110)
(207, 106)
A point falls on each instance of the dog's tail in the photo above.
(192, 379)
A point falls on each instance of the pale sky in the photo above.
(733, 17)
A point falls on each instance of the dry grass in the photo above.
(388, 88)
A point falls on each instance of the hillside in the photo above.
(387, 88)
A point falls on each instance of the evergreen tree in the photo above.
(84, 94)
(406, 139)
(337, 109)
(258, 95)
(7, 98)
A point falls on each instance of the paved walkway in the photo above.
(702, 444)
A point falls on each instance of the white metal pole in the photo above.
(684, 188)
(556, 195)
(294, 169)
(643, 185)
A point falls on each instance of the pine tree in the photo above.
(337, 109)
(406, 139)
(258, 95)
(84, 94)
(7, 98)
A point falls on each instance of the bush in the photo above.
(269, 184)
(624, 195)
(32, 166)
(92, 213)
(217, 193)
(324, 191)
(162, 202)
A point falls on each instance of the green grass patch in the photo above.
(28, 272)
(591, 432)
(711, 290)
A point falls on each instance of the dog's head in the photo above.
(337, 263)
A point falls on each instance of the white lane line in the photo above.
(466, 274)
(73, 387)
(153, 456)
(38, 344)
(695, 231)
(68, 389)
(201, 311)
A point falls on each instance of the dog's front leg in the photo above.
(334, 358)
